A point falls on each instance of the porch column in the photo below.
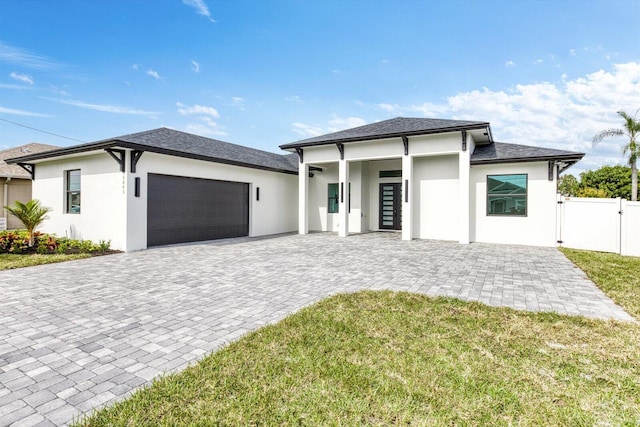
(407, 197)
(303, 198)
(464, 164)
(343, 206)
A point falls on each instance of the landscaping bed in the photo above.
(15, 251)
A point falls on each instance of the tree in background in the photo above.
(631, 129)
(615, 181)
(568, 185)
(597, 193)
(31, 214)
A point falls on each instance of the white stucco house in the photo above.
(423, 178)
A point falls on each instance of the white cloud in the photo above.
(207, 127)
(153, 74)
(563, 115)
(385, 61)
(10, 86)
(295, 99)
(16, 112)
(22, 77)
(200, 110)
(510, 63)
(201, 8)
(116, 109)
(237, 102)
(538, 61)
(389, 107)
(336, 71)
(24, 58)
(307, 131)
(205, 115)
(335, 124)
(60, 92)
(195, 66)
(338, 123)
(136, 66)
(572, 52)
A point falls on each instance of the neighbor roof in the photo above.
(182, 144)
(500, 152)
(400, 126)
(15, 171)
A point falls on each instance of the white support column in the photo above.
(303, 199)
(464, 165)
(407, 197)
(343, 206)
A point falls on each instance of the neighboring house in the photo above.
(16, 182)
(429, 179)
(425, 178)
(164, 186)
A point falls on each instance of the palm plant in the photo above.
(631, 129)
(31, 214)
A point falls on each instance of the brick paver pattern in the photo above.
(77, 336)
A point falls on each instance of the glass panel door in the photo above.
(390, 206)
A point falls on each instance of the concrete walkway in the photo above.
(79, 335)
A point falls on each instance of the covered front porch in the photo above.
(418, 196)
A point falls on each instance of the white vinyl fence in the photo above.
(607, 225)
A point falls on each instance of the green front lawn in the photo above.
(618, 276)
(384, 358)
(9, 261)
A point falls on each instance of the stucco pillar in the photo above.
(407, 197)
(464, 164)
(303, 199)
(343, 205)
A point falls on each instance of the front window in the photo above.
(72, 180)
(333, 198)
(507, 195)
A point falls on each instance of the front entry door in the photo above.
(391, 206)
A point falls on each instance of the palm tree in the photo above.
(631, 130)
(31, 214)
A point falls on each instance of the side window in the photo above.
(333, 198)
(507, 195)
(72, 191)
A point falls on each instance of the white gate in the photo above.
(607, 225)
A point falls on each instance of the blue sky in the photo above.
(264, 73)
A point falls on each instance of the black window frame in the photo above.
(69, 192)
(516, 213)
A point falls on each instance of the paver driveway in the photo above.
(78, 335)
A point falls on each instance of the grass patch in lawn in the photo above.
(385, 358)
(618, 276)
(9, 261)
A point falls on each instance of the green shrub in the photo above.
(17, 242)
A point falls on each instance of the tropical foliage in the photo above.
(606, 182)
(17, 242)
(631, 130)
(31, 214)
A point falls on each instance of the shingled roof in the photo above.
(182, 144)
(400, 126)
(500, 152)
(15, 171)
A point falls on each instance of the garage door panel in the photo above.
(182, 209)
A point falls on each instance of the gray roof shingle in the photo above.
(389, 128)
(15, 171)
(182, 144)
(500, 152)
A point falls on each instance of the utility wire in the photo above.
(39, 130)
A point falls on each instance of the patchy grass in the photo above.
(9, 261)
(384, 358)
(618, 276)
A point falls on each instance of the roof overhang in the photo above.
(569, 160)
(98, 147)
(481, 133)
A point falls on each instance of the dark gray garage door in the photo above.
(182, 209)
